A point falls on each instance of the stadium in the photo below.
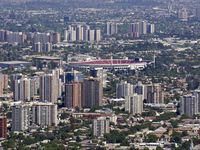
(117, 64)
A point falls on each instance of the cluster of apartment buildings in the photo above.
(111, 28)
(32, 115)
(82, 33)
(34, 37)
(141, 28)
(78, 92)
(190, 103)
(136, 95)
(36, 97)
(136, 29)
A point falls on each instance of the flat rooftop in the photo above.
(47, 57)
(14, 62)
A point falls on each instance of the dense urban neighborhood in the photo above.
(99, 75)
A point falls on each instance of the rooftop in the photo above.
(14, 62)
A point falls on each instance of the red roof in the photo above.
(107, 61)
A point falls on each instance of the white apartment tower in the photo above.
(124, 89)
(97, 35)
(101, 126)
(189, 105)
(50, 87)
(44, 114)
(20, 117)
(134, 104)
(22, 90)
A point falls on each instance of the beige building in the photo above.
(3, 83)
(134, 104)
(101, 126)
(50, 87)
(44, 114)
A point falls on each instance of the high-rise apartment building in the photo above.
(72, 76)
(34, 86)
(56, 38)
(92, 92)
(153, 94)
(189, 105)
(134, 104)
(41, 37)
(79, 33)
(73, 95)
(50, 88)
(20, 117)
(124, 89)
(37, 47)
(3, 83)
(42, 47)
(97, 35)
(101, 126)
(101, 74)
(44, 114)
(141, 28)
(91, 35)
(73, 37)
(139, 88)
(150, 28)
(22, 90)
(14, 77)
(196, 93)
(135, 30)
(15, 37)
(47, 47)
(86, 29)
(3, 127)
(1, 87)
(3, 37)
(111, 28)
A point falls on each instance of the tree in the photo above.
(195, 140)
(149, 113)
(78, 139)
(125, 143)
(174, 123)
(115, 137)
(185, 145)
(184, 133)
(53, 145)
(64, 115)
(137, 128)
(75, 145)
(151, 138)
(9, 144)
(176, 137)
(159, 148)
